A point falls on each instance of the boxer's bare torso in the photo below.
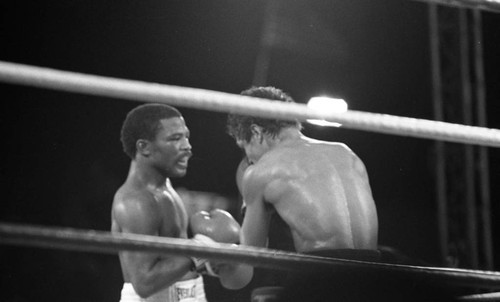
(161, 206)
(321, 191)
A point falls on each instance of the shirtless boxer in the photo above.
(156, 139)
(320, 189)
(322, 193)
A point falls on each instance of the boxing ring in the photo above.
(105, 242)
(486, 283)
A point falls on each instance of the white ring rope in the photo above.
(224, 102)
(481, 297)
(106, 242)
(487, 5)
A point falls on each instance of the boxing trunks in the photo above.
(359, 283)
(332, 284)
(183, 291)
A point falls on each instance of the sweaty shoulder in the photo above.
(135, 211)
(308, 151)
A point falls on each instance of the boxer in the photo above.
(320, 189)
(156, 138)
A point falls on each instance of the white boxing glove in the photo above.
(201, 265)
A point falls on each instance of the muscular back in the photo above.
(321, 191)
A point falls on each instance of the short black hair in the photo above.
(238, 126)
(143, 122)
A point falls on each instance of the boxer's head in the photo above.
(240, 126)
(143, 122)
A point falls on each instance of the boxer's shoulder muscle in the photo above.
(136, 211)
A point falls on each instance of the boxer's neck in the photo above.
(288, 134)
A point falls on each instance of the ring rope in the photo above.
(487, 5)
(106, 242)
(481, 297)
(225, 102)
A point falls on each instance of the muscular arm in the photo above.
(147, 272)
(255, 228)
(254, 231)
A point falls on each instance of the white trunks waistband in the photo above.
(183, 291)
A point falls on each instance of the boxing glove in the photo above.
(217, 224)
(209, 228)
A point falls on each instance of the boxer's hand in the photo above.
(210, 228)
(201, 265)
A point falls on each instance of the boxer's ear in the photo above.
(143, 147)
(257, 132)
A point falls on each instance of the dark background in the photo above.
(62, 155)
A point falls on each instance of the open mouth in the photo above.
(183, 160)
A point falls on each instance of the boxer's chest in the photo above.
(173, 214)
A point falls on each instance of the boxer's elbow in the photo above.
(143, 290)
(144, 287)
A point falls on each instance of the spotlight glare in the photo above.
(327, 104)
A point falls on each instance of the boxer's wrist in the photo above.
(203, 267)
(195, 264)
